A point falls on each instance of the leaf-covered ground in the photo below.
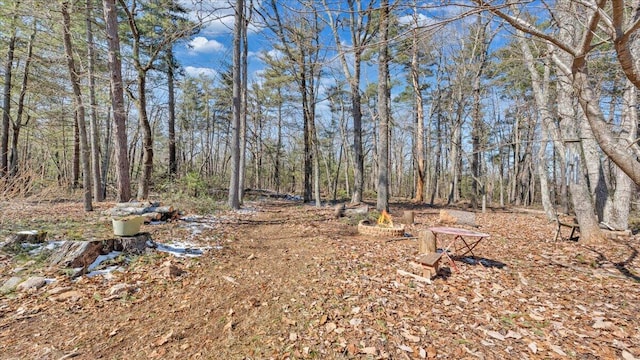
(286, 280)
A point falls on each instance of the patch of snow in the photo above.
(107, 271)
(101, 258)
(28, 232)
(182, 248)
(36, 249)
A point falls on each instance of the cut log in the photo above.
(452, 217)
(426, 242)
(151, 216)
(137, 204)
(161, 209)
(361, 210)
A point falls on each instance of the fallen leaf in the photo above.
(164, 339)
(369, 350)
(533, 347)
(512, 334)
(495, 335)
(228, 326)
(601, 324)
(558, 350)
(330, 327)
(288, 321)
(230, 279)
(293, 336)
(410, 337)
(536, 317)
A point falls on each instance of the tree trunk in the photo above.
(234, 184)
(616, 214)
(243, 108)
(147, 138)
(173, 164)
(93, 114)
(383, 109)
(80, 114)
(17, 124)
(117, 100)
(580, 194)
(6, 94)
(419, 118)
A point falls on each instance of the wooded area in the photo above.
(493, 104)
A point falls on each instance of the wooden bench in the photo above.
(574, 226)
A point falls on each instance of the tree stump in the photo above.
(74, 254)
(408, 217)
(22, 237)
(426, 242)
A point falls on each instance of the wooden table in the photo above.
(462, 243)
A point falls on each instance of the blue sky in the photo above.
(206, 52)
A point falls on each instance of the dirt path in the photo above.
(292, 282)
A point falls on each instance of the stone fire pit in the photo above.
(367, 227)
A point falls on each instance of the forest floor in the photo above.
(285, 280)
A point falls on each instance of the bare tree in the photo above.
(362, 30)
(620, 28)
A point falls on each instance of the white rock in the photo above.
(10, 285)
(32, 283)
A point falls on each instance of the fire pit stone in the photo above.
(367, 227)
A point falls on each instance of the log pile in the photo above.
(151, 211)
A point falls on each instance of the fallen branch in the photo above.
(414, 276)
(403, 238)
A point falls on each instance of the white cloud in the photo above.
(201, 44)
(200, 71)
